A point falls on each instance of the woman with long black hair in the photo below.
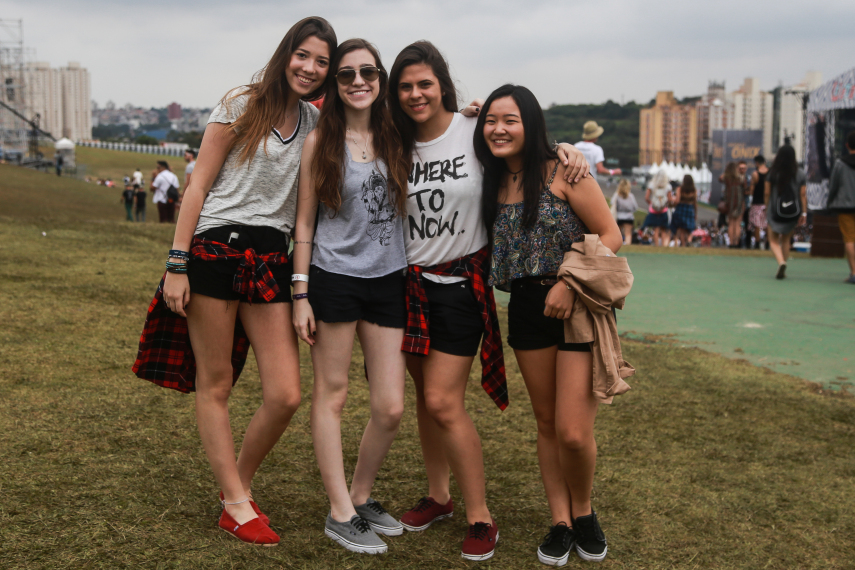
(786, 204)
(534, 217)
(228, 276)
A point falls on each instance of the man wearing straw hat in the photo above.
(592, 151)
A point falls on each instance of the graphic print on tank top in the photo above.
(381, 213)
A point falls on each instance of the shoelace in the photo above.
(559, 531)
(424, 504)
(479, 531)
(361, 524)
(377, 508)
(587, 530)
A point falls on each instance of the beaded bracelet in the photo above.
(178, 254)
(298, 296)
(173, 267)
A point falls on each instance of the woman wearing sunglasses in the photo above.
(451, 309)
(228, 273)
(349, 282)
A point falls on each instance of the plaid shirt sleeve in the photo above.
(474, 267)
(165, 356)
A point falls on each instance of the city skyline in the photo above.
(569, 52)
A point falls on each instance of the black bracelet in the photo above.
(178, 254)
(298, 296)
(181, 270)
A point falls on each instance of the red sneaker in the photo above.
(426, 513)
(481, 541)
(252, 532)
(255, 508)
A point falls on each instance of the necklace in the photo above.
(515, 173)
(364, 152)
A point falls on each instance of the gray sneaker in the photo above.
(355, 535)
(379, 519)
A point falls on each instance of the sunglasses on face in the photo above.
(368, 73)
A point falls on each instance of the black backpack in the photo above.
(172, 193)
(786, 207)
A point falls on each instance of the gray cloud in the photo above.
(565, 51)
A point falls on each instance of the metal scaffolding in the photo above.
(14, 132)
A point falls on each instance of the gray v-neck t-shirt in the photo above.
(262, 192)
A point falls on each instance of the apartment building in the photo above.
(62, 97)
(753, 109)
(668, 131)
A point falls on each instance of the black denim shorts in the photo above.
(216, 278)
(528, 327)
(456, 326)
(337, 298)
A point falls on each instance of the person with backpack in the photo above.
(128, 200)
(658, 197)
(165, 187)
(140, 195)
(786, 204)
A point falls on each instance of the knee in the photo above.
(389, 418)
(546, 426)
(442, 409)
(574, 438)
(284, 404)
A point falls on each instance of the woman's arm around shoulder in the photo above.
(587, 200)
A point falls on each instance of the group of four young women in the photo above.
(397, 204)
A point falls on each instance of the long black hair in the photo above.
(419, 52)
(784, 168)
(537, 152)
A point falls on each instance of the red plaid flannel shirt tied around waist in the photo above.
(473, 267)
(165, 356)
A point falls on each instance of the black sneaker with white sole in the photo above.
(355, 535)
(590, 540)
(556, 546)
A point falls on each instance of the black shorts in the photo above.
(528, 327)
(456, 325)
(337, 298)
(216, 278)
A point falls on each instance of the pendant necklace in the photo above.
(515, 173)
(364, 153)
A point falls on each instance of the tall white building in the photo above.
(62, 97)
(791, 121)
(753, 109)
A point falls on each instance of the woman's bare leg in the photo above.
(211, 326)
(381, 347)
(331, 355)
(576, 410)
(775, 246)
(538, 371)
(430, 436)
(445, 379)
(274, 343)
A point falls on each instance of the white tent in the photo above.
(65, 148)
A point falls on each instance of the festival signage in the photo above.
(732, 146)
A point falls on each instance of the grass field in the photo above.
(708, 462)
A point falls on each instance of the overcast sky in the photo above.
(154, 52)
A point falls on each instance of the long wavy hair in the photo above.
(328, 161)
(537, 154)
(784, 167)
(731, 174)
(688, 186)
(268, 91)
(424, 52)
(623, 188)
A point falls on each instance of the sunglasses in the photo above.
(368, 73)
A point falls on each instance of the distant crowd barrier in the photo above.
(173, 149)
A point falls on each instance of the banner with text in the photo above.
(732, 146)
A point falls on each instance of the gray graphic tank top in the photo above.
(365, 238)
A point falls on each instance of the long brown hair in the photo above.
(419, 52)
(328, 160)
(731, 175)
(268, 92)
(687, 189)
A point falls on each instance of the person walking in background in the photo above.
(841, 199)
(137, 178)
(658, 197)
(58, 162)
(757, 213)
(624, 206)
(593, 152)
(734, 201)
(742, 169)
(786, 204)
(685, 210)
(128, 200)
(165, 184)
(140, 196)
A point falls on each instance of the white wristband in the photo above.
(299, 277)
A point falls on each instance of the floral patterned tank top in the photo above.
(538, 250)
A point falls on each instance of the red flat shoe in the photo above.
(251, 532)
(264, 518)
